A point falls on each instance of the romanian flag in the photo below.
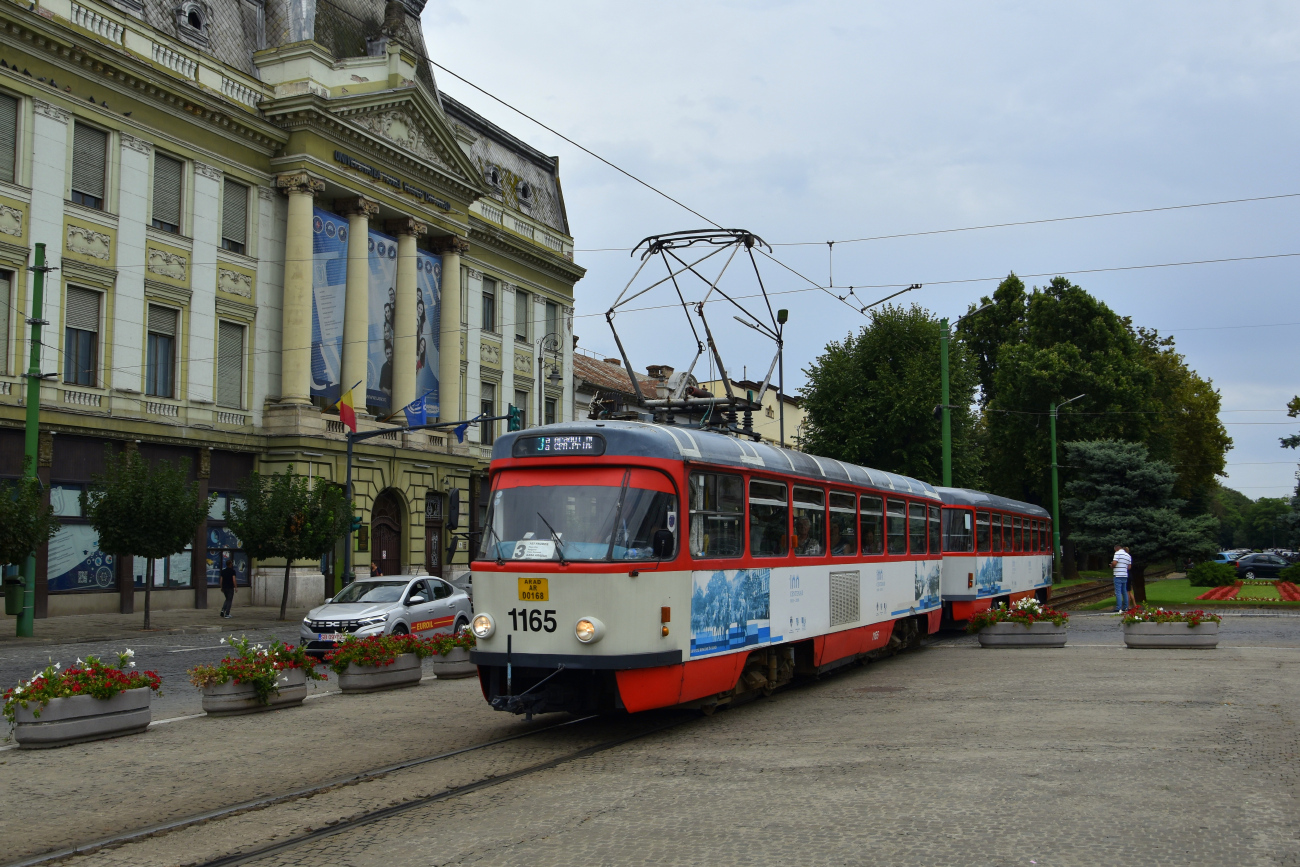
(348, 414)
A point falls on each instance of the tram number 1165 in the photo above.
(534, 620)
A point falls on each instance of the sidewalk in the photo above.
(71, 629)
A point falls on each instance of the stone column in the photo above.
(356, 308)
(404, 321)
(449, 329)
(295, 353)
(128, 292)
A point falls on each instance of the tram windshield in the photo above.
(578, 515)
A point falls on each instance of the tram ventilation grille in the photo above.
(846, 594)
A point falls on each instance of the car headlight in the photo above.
(372, 621)
(483, 626)
(589, 630)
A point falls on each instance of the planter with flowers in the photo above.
(378, 662)
(1026, 623)
(87, 702)
(1145, 626)
(452, 654)
(255, 678)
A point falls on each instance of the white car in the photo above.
(386, 606)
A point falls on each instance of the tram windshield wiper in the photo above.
(559, 543)
(492, 531)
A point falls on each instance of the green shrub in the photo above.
(1211, 574)
(1290, 573)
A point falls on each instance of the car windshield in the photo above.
(371, 592)
(613, 520)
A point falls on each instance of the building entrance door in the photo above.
(433, 546)
(386, 534)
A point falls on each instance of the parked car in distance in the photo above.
(1226, 556)
(394, 605)
(1253, 566)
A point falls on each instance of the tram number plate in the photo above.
(534, 620)
(534, 590)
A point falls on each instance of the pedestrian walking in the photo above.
(1120, 565)
(228, 585)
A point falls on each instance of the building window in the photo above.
(230, 365)
(6, 299)
(550, 410)
(223, 545)
(487, 407)
(160, 378)
(552, 318)
(489, 305)
(521, 315)
(521, 401)
(171, 572)
(234, 217)
(8, 138)
(89, 152)
(81, 337)
(75, 561)
(167, 193)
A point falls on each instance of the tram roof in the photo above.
(968, 497)
(641, 439)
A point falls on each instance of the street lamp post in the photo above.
(1056, 496)
(547, 343)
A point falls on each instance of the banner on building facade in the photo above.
(428, 313)
(383, 307)
(329, 272)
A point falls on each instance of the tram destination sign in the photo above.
(544, 447)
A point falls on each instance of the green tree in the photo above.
(1293, 442)
(26, 522)
(138, 510)
(1228, 507)
(870, 399)
(1265, 522)
(286, 516)
(1119, 496)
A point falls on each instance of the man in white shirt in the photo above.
(1120, 566)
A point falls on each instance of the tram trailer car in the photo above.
(995, 550)
(637, 566)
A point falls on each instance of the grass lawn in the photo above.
(1178, 591)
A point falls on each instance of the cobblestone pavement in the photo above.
(78, 628)
(1089, 755)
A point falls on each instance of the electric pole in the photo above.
(27, 619)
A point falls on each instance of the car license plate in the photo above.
(533, 590)
(330, 636)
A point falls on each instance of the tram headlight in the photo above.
(589, 630)
(483, 625)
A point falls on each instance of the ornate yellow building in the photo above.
(251, 206)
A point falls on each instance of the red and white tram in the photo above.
(635, 565)
(995, 550)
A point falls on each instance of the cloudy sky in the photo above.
(816, 121)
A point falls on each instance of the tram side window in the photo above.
(1017, 535)
(844, 525)
(1047, 537)
(934, 530)
(717, 515)
(982, 532)
(769, 519)
(997, 533)
(809, 522)
(958, 532)
(896, 527)
(1036, 538)
(916, 527)
(872, 525)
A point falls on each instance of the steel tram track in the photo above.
(292, 795)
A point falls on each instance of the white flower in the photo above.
(223, 641)
(58, 665)
(130, 665)
(79, 662)
(129, 654)
(18, 690)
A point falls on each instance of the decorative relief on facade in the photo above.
(489, 353)
(235, 282)
(207, 171)
(11, 221)
(398, 128)
(88, 242)
(451, 244)
(360, 207)
(299, 182)
(462, 346)
(53, 112)
(266, 194)
(137, 144)
(165, 264)
(408, 226)
(523, 363)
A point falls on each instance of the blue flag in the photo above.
(416, 413)
(464, 426)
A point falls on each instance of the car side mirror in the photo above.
(329, 600)
(662, 544)
(417, 599)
